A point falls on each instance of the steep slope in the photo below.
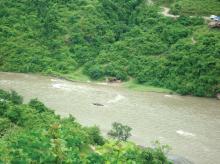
(109, 38)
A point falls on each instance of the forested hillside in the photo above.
(32, 133)
(126, 39)
(195, 7)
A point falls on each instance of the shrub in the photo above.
(156, 154)
(120, 132)
(4, 95)
(95, 135)
(3, 107)
(95, 72)
(121, 75)
(5, 124)
(176, 9)
(95, 158)
(15, 98)
(14, 114)
(37, 105)
(190, 21)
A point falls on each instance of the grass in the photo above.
(74, 76)
(132, 84)
(166, 3)
(200, 7)
(78, 76)
(194, 7)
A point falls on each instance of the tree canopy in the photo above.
(110, 38)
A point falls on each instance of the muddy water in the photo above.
(190, 125)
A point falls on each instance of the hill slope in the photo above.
(195, 7)
(122, 39)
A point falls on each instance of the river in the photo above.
(190, 125)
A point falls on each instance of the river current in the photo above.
(190, 125)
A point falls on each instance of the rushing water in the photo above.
(190, 125)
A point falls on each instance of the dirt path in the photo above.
(193, 40)
(166, 13)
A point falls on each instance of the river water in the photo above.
(190, 125)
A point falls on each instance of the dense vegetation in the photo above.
(110, 38)
(32, 133)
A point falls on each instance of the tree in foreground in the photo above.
(32, 133)
(120, 132)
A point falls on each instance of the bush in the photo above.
(4, 95)
(190, 21)
(15, 98)
(95, 158)
(141, 78)
(5, 124)
(176, 9)
(156, 154)
(121, 76)
(95, 72)
(3, 107)
(95, 135)
(120, 132)
(37, 105)
(14, 114)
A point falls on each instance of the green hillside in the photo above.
(32, 133)
(110, 38)
(193, 7)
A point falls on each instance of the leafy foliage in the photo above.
(31, 133)
(120, 132)
(198, 7)
(95, 134)
(195, 7)
(39, 106)
(110, 38)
